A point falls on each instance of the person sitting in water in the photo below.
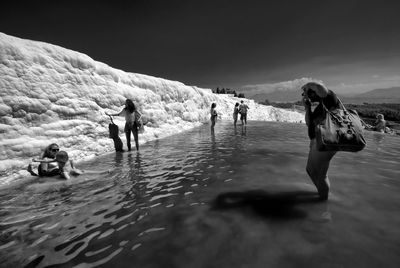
(67, 167)
(48, 167)
(380, 123)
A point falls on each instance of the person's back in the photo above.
(243, 112)
(47, 167)
(243, 108)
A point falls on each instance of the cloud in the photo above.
(293, 85)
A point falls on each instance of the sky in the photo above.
(351, 45)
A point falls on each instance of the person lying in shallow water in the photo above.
(67, 167)
(49, 167)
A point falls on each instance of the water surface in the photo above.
(232, 198)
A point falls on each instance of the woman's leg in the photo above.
(317, 169)
(128, 138)
(30, 170)
(135, 132)
(212, 123)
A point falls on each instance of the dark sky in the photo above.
(350, 44)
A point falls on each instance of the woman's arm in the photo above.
(43, 160)
(117, 114)
(307, 106)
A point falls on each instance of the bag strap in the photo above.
(112, 122)
(139, 115)
(344, 108)
(336, 117)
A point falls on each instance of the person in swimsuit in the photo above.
(243, 112)
(48, 167)
(214, 115)
(318, 161)
(132, 117)
(235, 113)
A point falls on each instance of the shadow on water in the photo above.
(279, 206)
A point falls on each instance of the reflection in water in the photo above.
(244, 129)
(184, 198)
(378, 137)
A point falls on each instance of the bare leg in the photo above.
(317, 168)
(30, 170)
(136, 137)
(128, 139)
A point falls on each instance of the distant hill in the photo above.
(383, 95)
(393, 92)
(278, 96)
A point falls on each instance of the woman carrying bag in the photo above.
(132, 122)
(318, 161)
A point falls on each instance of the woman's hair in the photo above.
(380, 116)
(47, 150)
(237, 104)
(213, 105)
(317, 87)
(130, 106)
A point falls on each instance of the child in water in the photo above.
(66, 166)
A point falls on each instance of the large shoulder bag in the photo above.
(341, 130)
(139, 121)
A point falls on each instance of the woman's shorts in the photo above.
(131, 127)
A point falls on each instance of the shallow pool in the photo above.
(232, 198)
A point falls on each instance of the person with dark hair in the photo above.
(46, 168)
(67, 167)
(243, 112)
(235, 113)
(318, 161)
(214, 114)
(132, 119)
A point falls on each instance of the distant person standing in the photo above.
(235, 113)
(243, 112)
(318, 161)
(132, 117)
(214, 115)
